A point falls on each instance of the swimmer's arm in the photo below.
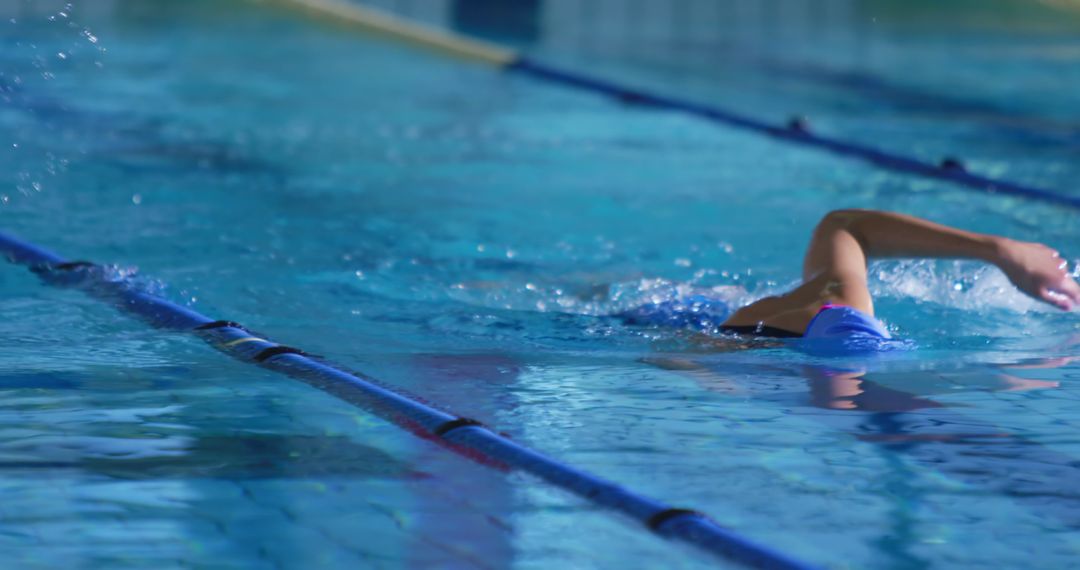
(834, 269)
(845, 239)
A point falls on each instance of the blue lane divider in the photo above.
(951, 170)
(456, 433)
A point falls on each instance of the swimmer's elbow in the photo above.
(848, 219)
(844, 218)
(856, 224)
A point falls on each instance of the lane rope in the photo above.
(386, 24)
(460, 434)
(795, 131)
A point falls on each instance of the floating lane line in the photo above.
(463, 435)
(949, 170)
(377, 21)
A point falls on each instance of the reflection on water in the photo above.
(841, 389)
(916, 413)
(880, 387)
(837, 389)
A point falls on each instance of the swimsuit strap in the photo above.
(760, 331)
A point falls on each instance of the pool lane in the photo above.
(949, 168)
(460, 434)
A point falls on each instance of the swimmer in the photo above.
(834, 301)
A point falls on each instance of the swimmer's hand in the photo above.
(1039, 271)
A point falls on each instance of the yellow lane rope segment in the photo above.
(378, 21)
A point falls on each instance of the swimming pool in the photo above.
(460, 233)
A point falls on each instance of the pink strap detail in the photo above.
(825, 306)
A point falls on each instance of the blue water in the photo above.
(463, 234)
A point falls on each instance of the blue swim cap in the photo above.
(835, 321)
(838, 330)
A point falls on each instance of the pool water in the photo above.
(464, 235)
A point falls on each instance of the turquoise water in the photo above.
(460, 233)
